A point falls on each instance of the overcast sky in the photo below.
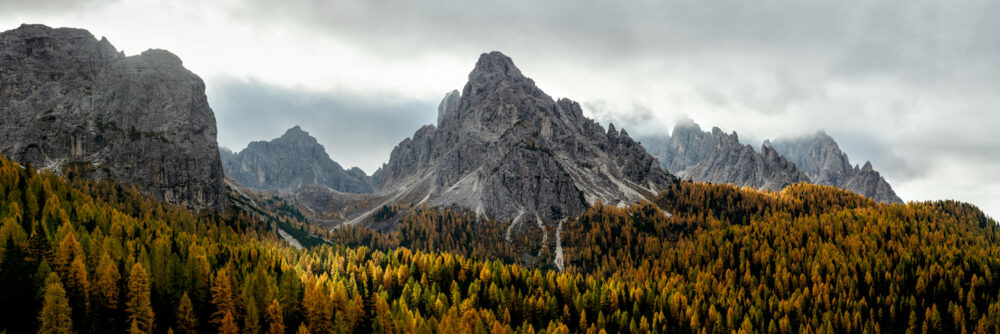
(910, 85)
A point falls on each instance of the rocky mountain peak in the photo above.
(295, 131)
(819, 156)
(825, 140)
(292, 161)
(507, 150)
(494, 90)
(295, 136)
(718, 157)
(686, 131)
(448, 107)
(159, 58)
(492, 67)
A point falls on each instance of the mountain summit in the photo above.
(291, 161)
(719, 157)
(820, 157)
(506, 150)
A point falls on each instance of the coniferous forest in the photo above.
(79, 256)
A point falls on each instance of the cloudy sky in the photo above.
(910, 85)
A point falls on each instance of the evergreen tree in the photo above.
(105, 294)
(17, 289)
(139, 308)
(317, 308)
(78, 290)
(55, 316)
(275, 320)
(251, 319)
(227, 325)
(222, 298)
(187, 320)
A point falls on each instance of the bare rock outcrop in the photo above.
(70, 100)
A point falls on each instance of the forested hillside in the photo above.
(97, 257)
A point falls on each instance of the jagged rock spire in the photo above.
(508, 150)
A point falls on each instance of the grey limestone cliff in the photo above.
(289, 162)
(68, 99)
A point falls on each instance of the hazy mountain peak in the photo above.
(718, 157)
(292, 161)
(819, 156)
(495, 63)
(297, 134)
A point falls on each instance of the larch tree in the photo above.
(138, 307)
(275, 321)
(222, 298)
(105, 293)
(317, 307)
(55, 316)
(227, 325)
(187, 321)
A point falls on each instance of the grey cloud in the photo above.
(356, 130)
(884, 154)
(636, 118)
(14, 7)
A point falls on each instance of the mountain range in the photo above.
(501, 147)
(719, 157)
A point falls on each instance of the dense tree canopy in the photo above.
(806, 259)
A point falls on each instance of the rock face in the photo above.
(68, 99)
(506, 150)
(720, 158)
(820, 158)
(289, 162)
